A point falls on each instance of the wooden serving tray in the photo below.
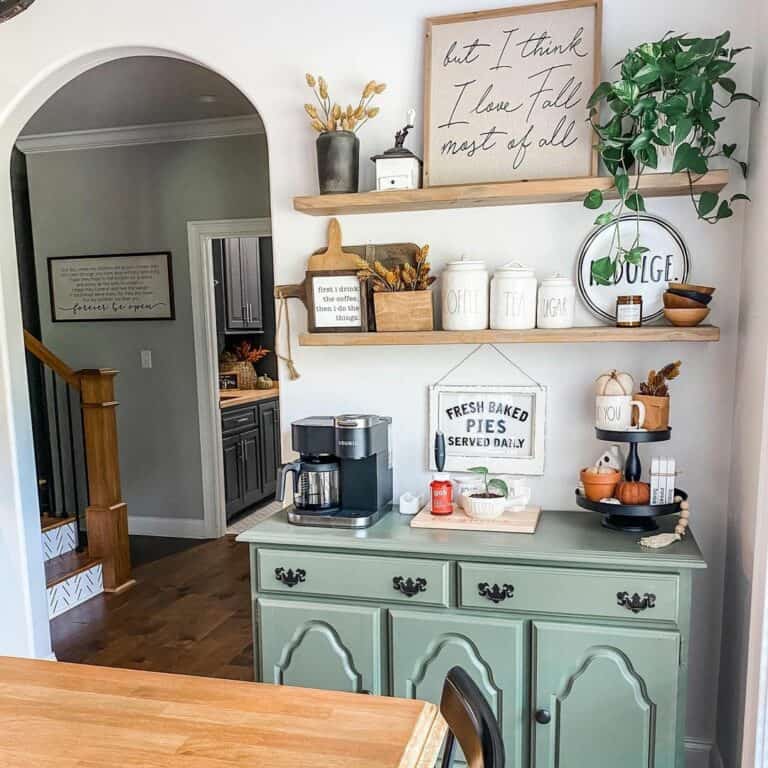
(510, 522)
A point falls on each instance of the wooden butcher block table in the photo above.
(77, 716)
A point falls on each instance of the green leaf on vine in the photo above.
(707, 203)
(682, 129)
(603, 270)
(605, 218)
(729, 149)
(635, 202)
(601, 91)
(622, 184)
(635, 255)
(594, 199)
(724, 211)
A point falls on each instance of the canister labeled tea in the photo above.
(513, 298)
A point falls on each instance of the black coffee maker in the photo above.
(344, 476)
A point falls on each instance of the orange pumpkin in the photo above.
(630, 492)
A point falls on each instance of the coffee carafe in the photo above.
(315, 483)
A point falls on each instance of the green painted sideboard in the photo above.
(577, 635)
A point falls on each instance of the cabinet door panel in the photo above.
(250, 264)
(318, 645)
(269, 423)
(233, 487)
(251, 466)
(425, 646)
(611, 693)
(233, 275)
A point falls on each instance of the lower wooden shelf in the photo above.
(534, 336)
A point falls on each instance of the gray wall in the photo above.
(132, 199)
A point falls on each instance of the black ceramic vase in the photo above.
(338, 162)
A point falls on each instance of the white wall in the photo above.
(266, 54)
(747, 527)
(138, 199)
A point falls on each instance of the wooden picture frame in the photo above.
(341, 282)
(229, 381)
(88, 289)
(460, 411)
(503, 98)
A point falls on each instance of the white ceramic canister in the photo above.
(557, 299)
(513, 298)
(464, 286)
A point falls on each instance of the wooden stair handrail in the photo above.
(47, 358)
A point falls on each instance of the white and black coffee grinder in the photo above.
(344, 476)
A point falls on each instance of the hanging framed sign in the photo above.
(665, 261)
(500, 427)
(506, 90)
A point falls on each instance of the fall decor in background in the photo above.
(654, 394)
(661, 104)
(401, 296)
(338, 148)
(240, 360)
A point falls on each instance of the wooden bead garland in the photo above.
(665, 539)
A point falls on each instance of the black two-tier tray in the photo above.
(632, 518)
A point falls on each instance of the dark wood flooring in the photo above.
(189, 613)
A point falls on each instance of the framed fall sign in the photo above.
(506, 93)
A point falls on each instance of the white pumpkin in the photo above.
(614, 383)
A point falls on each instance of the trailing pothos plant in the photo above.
(663, 102)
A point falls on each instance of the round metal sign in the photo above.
(665, 261)
(10, 8)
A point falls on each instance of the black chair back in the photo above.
(471, 723)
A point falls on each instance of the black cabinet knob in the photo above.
(542, 716)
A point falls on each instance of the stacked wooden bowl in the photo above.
(686, 304)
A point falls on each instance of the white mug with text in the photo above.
(615, 412)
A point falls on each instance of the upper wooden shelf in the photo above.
(501, 193)
(534, 336)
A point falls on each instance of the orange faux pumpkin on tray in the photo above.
(633, 492)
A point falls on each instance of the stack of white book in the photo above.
(663, 473)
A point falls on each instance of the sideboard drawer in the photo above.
(406, 580)
(612, 594)
(239, 419)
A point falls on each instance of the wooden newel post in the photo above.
(107, 513)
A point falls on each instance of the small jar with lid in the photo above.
(464, 296)
(513, 298)
(557, 300)
(629, 311)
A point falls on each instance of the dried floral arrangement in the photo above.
(332, 116)
(656, 383)
(244, 352)
(400, 277)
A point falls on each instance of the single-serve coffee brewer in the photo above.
(344, 476)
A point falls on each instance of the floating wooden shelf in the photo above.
(500, 193)
(534, 336)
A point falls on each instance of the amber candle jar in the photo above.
(629, 311)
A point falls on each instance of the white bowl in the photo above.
(485, 509)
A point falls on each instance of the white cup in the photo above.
(615, 412)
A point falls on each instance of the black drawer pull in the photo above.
(635, 603)
(495, 594)
(409, 587)
(290, 577)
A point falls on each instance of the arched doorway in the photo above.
(21, 472)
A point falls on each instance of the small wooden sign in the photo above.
(336, 302)
(229, 380)
(506, 93)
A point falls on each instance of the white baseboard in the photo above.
(701, 753)
(180, 527)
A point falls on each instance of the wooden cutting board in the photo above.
(510, 522)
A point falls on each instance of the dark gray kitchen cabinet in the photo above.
(242, 285)
(251, 451)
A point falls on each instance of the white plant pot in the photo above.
(485, 509)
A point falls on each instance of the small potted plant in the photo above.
(489, 503)
(401, 297)
(667, 101)
(338, 148)
(654, 394)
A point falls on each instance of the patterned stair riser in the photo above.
(74, 591)
(60, 540)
